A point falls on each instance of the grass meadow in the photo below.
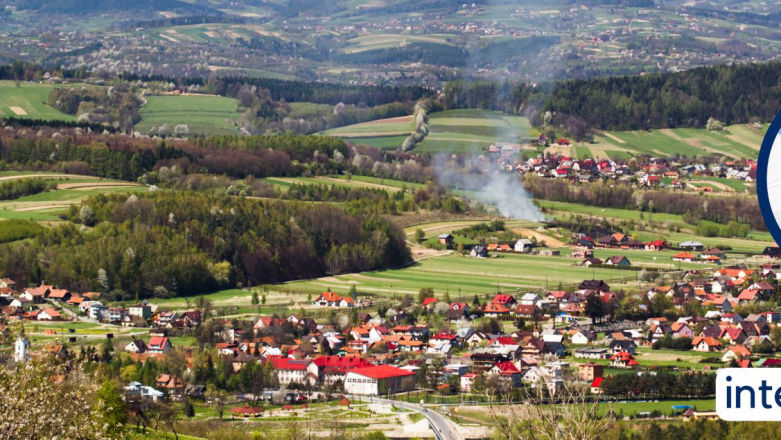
(202, 114)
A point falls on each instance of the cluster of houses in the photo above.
(386, 354)
(47, 303)
(656, 173)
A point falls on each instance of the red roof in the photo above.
(157, 341)
(341, 363)
(428, 301)
(502, 299)
(597, 382)
(506, 367)
(382, 372)
(748, 294)
(685, 255)
(505, 340)
(289, 364)
(247, 410)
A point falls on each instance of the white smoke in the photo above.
(504, 191)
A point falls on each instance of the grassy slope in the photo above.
(31, 98)
(740, 141)
(202, 114)
(47, 205)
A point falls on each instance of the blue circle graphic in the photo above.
(762, 183)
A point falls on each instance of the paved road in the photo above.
(443, 427)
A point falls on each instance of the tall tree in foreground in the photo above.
(44, 400)
(573, 417)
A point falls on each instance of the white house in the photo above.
(583, 337)
(138, 389)
(295, 370)
(530, 299)
(135, 346)
(523, 245)
(378, 380)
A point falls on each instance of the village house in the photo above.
(589, 371)
(295, 370)
(331, 299)
(705, 344)
(623, 359)
(49, 314)
(508, 374)
(478, 251)
(379, 380)
(135, 346)
(494, 310)
(446, 239)
(618, 346)
(523, 245)
(583, 337)
(143, 311)
(159, 344)
(592, 353)
(466, 382)
(617, 260)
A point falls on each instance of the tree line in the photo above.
(126, 158)
(660, 385)
(15, 188)
(732, 212)
(181, 243)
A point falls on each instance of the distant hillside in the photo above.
(89, 7)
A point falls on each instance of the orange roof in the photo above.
(330, 296)
(495, 308)
(711, 341)
(685, 255)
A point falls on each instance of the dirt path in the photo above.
(47, 205)
(613, 137)
(85, 186)
(721, 186)
(529, 233)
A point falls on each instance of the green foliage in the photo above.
(113, 406)
(18, 229)
(668, 341)
(15, 188)
(660, 385)
(171, 241)
(730, 93)
(731, 229)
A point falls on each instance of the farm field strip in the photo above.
(201, 113)
(740, 141)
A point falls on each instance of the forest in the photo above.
(732, 94)
(183, 243)
(121, 157)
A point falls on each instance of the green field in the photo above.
(473, 130)
(754, 243)
(28, 101)
(739, 141)
(466, 275)
(46, 206)
(202, 114)
(449, 131)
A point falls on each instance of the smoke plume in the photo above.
(505, 191)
